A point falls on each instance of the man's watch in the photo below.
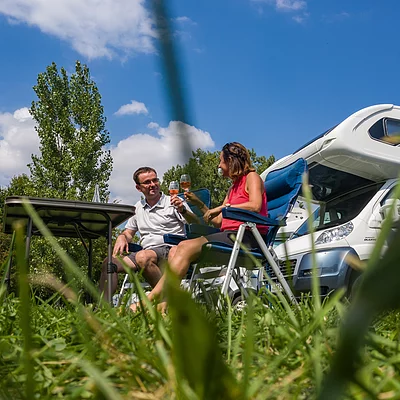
(227, 204)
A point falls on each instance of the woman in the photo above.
(247, 192)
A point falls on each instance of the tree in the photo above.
(72, 160)
(202, 168)
(71, 129)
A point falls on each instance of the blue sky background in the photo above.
(271, 74)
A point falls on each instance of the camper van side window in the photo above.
(377, 130)
(384, 129)
(393, 129)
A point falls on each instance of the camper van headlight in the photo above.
(334, 234)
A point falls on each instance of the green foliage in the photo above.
(202, 168)
(71, 129)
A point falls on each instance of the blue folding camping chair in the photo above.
(282, 188)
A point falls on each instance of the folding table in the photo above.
(69, 218)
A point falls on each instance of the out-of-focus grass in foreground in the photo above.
(75, 351)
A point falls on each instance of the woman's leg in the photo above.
(186, 252)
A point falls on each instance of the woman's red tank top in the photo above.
(238, 195)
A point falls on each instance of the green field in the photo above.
(65, 348)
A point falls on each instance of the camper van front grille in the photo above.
(286, 267)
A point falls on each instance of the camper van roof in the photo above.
(350, 147)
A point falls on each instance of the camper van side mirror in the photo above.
(385, 209)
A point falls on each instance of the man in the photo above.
(155, 215)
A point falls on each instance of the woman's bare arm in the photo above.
(255, 189)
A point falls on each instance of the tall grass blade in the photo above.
(146, 305)
(25, 309)
(249, 347)
(197, 356)
(173, 70)
(315, 278)
(101, 380)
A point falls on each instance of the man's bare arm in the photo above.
(190, 217)
(122, 242)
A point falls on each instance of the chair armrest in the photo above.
(171, 238)
(197, 230)
(239, 214)
(134, 247)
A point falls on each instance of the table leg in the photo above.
(110, 265)
(90, 259)
(28, 240)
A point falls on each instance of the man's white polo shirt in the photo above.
(153, 222)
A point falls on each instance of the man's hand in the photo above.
(121, 245)
(177, 202)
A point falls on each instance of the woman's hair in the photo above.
(238, 159)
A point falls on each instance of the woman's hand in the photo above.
(211, 214)
(193, 199)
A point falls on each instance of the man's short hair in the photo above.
(142, 170)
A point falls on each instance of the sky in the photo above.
(271, 74)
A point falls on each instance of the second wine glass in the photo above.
(185, 182)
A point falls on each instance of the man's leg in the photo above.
(114, 277)
(147, 261)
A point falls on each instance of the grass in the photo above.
(62, 348)
(78, 352)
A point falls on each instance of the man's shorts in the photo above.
(161, 252)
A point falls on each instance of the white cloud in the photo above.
(301, 18)
(135, 107)
(105, 28)
(160, 152)
(18, 140)
(290, 5)
(285, 5)
(153, 125)
(185, 20)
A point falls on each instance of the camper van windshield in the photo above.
(314, 139)
(341, 209)
(328, 183)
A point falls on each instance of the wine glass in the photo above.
(185, 182)
(173, 188)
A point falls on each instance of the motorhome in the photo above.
(353, 169)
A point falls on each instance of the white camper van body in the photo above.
(353, 169)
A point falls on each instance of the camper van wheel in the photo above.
(354, 284)
(239, 302)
